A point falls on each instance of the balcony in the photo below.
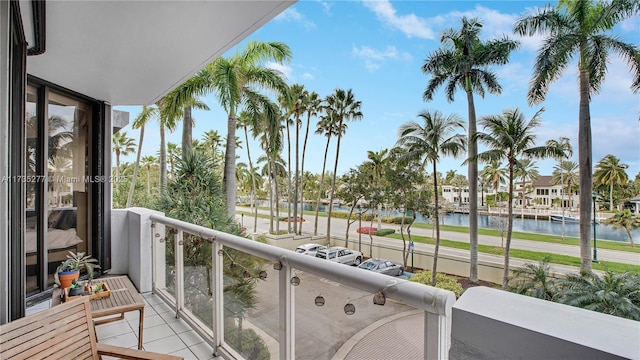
(205, 290)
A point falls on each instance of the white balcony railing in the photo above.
(294, 305)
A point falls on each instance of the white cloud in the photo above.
(292, 15)
(411, 25)
(326, 7)
(284, 69)
(374, 58)
(307, 76)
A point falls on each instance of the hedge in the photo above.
(385, 232)
(443, 281)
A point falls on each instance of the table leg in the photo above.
(140, 329)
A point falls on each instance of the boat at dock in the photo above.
(567, 219)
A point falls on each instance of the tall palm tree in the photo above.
(626, 220)
(246, 121)
(569, 170)
(327, 127)
(563, 145)
(377, 162)
(493, 173)
(237, 80)
(122, 145)
(428, 141)
(146, 115)
(343, 107)
(149, 161)
(525, 170)
(464, 62)
(212, 141)
(312, 106)
(270, 128)
(610, 171)
(580, 28)
(510, 136)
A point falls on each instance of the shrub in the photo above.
(398, 220)
(443, 281)
(384, 232)
(367, 230)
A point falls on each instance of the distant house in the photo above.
(542, 192)
(636, 203)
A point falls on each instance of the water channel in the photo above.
(603, 232)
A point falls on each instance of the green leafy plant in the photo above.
(75, 285)
(385, 232)
(442, 281)
(79, 261)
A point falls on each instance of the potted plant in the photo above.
(69, 270)
(75, 289)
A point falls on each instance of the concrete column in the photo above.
(4, 160)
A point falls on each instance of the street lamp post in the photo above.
(595, 245)
(359, 229)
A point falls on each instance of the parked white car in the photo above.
(340, 255)
(309, 249)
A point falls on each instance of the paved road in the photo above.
(339, 227)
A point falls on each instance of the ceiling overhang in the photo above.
(135, 52)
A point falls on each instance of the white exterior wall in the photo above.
(494, 324)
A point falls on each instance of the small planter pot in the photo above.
(67, 277)
(77, 291)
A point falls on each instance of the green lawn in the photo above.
(534, 256)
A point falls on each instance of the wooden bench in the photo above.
(62, 332)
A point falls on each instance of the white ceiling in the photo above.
(134, 52)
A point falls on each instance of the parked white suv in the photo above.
(309, 249)
(340, 255)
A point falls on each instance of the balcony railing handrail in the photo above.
(430, 299)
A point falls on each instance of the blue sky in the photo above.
(377, 49)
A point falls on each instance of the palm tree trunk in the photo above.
(163, 158)
(585, 170)
(132, 186)
(473, 190)
(229, 177)
(437, 249)
(253, 182)
(187, 131)
(304, 150)
(611, 196)
(333, 182)
(288, 179)
(148, 180)
(117, 165)
(507, 248)
(562, 197)
(277, 195)
(523, 199)
(297, 172)
(269, 171)
(324, 164)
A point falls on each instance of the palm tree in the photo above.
(580, 29)
(343, 107)
(328, 127)
(377, 161)
(246, 120)
(464, 62)
(526, 169)
(122, 145)
(563, 145)
(610, 171)
(147, 113)
(236, 81)
(495, 175)
(149, 161)
(510, 136)
(625, 220)
(212, 140)
(533, 280)
(569, 170)
(312, 106)
(433, 138)
(615, 294)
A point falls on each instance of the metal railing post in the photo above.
(179, 272)
(437, 336)
(286, 336)
(218, 296)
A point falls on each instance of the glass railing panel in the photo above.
(197, 262)
(250, 305)
(167, 262)
(328, 314)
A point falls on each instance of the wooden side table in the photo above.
(124, 298)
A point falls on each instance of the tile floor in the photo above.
(163, 333)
